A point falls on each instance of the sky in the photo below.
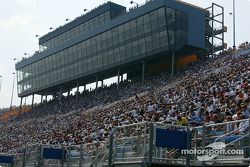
(22, 20)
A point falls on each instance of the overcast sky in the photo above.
(21, 20)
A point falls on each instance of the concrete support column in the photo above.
(121, 77)
(60, 99)
(143, 72)
(84, 87)
(173, 64)
(41, 98)
(32, 102)
(20, 107)
(46, 101)
(118, 78)
(102, 84)
(77, 90)
(96, 84)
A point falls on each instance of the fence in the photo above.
(139, 144)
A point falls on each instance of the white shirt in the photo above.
(243, 126)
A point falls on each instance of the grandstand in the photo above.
(213, 96)
(205, 104)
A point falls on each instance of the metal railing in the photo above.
(135, 143)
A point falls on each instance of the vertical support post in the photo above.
(96, 84)
(46, 98)
(60, 98)
(62, 160)
(68, 93)
(32, 103)
(188, 146)
(173, 64)
(203, 141)
(195, 142)
(40, 158)
(223, 25)
(151, 142)
(20, 107)
(41, 98)
(122, 77)
(77, 92)
(143, 72)
(24, 157)
(85, 87)
(102, 84)
(248, 138)
(234, 22)
(81, 155)
(97, 154)
(118, 78)
(145, 140)
(69, 158)
(0, 83)
(213, 30)
(13, 87)
(110, 160)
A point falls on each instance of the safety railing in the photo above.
(229, 139)
(136, 143)
(130, 142)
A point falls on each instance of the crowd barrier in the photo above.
(145, 144)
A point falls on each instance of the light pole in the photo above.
(13, 86)
(0, 82)
(233, 14)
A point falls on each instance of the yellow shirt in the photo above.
(183, 121)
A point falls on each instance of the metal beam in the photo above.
(218, 37)
(218, 14)
(218, 21)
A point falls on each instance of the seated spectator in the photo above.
(182, 120)
(208, 121)
(230, 127)
(243, 126)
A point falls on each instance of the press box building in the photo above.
(109, 41)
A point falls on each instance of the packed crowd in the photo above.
(86, 99)
(213, 91)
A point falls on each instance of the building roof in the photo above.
(194, 6)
